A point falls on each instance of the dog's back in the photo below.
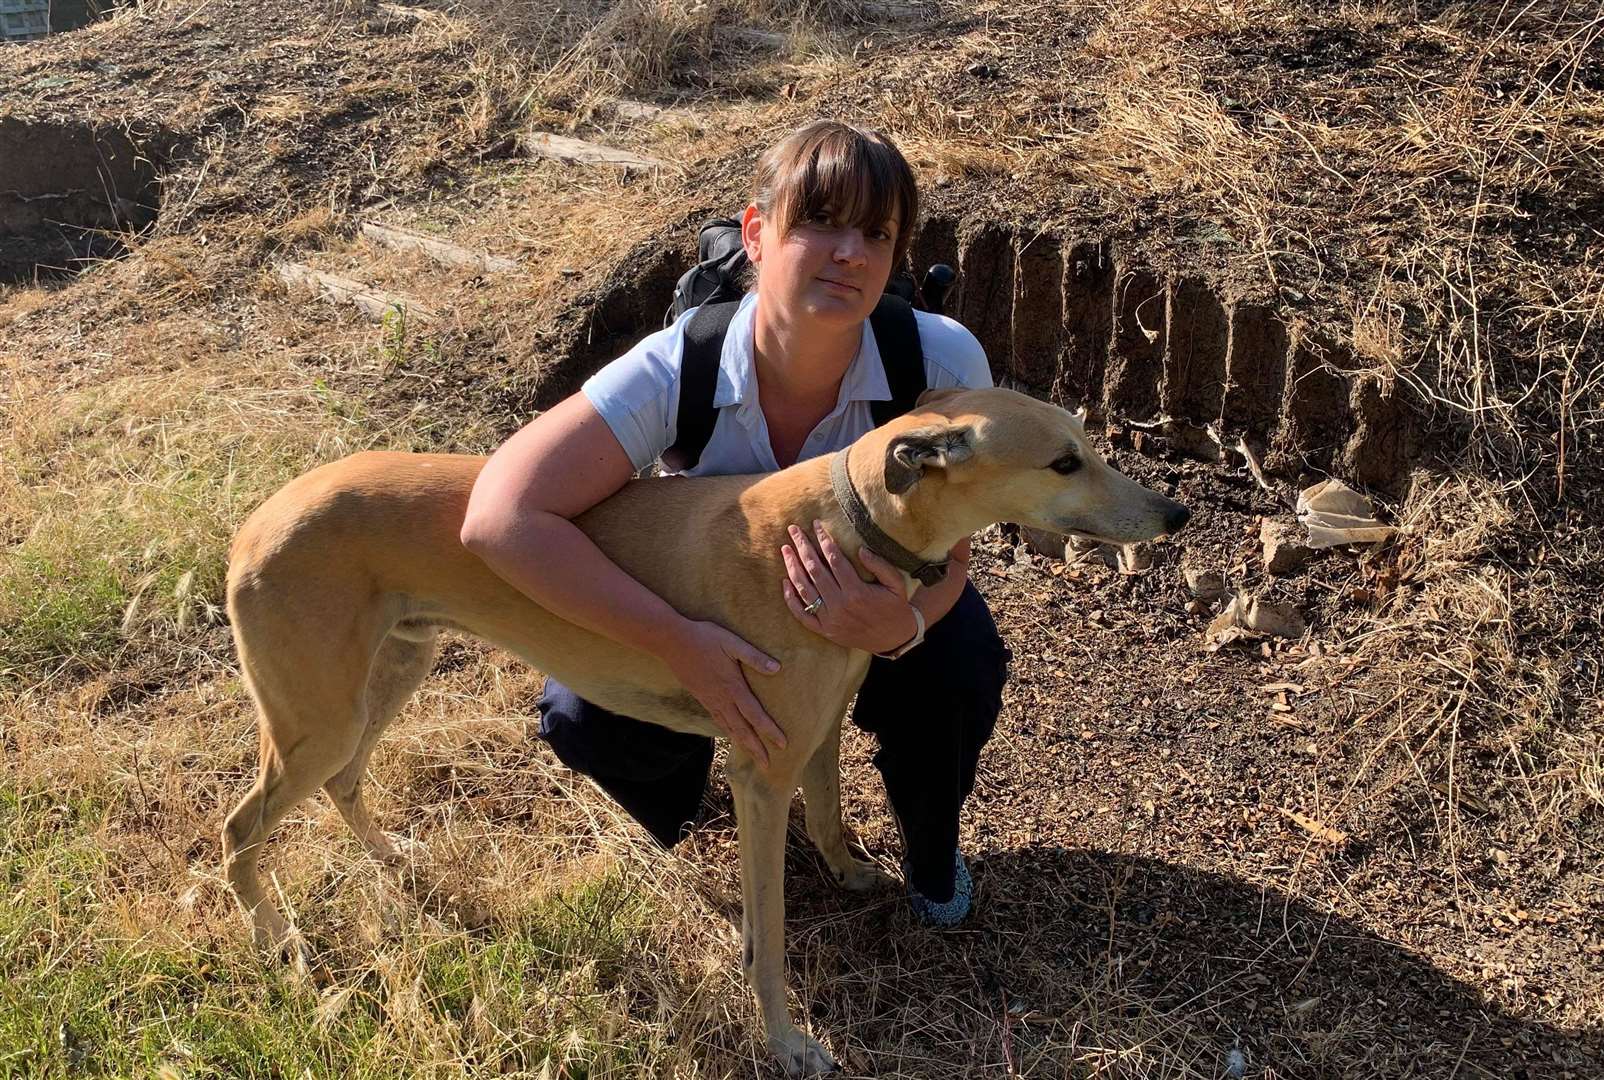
(368, 546)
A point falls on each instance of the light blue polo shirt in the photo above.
(638, 394)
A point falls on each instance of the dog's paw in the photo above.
(800, 1055)
(284, 945)
(859, 876)
(272, 934)
(404, 851)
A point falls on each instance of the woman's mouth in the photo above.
(841, 285)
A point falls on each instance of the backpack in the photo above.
(713, 287)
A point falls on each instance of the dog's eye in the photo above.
(1065, 465)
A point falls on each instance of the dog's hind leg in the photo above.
(310, 724)
(284, 780)
(821, 795)
(400, 666)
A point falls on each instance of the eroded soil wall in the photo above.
(69, 190)
(1075, 319)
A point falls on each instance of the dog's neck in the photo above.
(912, 519)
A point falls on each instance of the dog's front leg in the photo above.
(762, 802)
(821, 792)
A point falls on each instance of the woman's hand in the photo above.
(707, 660)
(874, 616)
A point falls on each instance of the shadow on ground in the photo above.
(1085, 963)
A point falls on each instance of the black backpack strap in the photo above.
(896, 333)
(698, 382)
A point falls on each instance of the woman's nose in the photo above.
(850, 246)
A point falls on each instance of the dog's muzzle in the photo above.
(1175, 518)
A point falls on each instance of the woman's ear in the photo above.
(752, 233)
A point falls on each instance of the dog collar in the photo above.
(874, 538)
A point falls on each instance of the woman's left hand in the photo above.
(874, 616)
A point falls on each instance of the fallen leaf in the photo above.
(1316, 829)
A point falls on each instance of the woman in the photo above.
(829, 220)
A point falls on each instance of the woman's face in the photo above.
(823, 270)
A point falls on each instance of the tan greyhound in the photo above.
(339, 583)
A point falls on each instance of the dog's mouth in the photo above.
(1117, 541)
(1081, 534)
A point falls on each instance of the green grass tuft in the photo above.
(54, 605)
(82, 995)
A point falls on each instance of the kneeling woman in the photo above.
(830, 218)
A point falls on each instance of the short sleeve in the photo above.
(637, 395)
(953, 357)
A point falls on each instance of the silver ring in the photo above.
(815, 606)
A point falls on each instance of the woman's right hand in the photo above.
(707, 660)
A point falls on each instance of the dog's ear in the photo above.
(911, 454)
(930, 397)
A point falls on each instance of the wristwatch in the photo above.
(918, 637)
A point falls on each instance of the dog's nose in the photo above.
(1176, 519)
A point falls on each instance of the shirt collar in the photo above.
(737, 371)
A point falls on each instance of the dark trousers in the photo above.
(931, 711)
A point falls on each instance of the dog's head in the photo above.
(998, 455)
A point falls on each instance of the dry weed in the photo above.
(1160, 133)
(1474, 645)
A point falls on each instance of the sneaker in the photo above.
(951, 912)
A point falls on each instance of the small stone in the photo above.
(1135, 558)
(1207, 585)
(1284, 550)
(1197, 607)
(1042, 542)
(1082, 549)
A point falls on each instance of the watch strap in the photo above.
(911, 643)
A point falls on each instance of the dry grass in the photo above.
(1477, 716)
(1417, 197)
(1160, 133)
(132, 456)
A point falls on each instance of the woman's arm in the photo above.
(519, 521)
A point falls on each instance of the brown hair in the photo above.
(856, 174)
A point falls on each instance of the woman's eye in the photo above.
(1065, 465)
